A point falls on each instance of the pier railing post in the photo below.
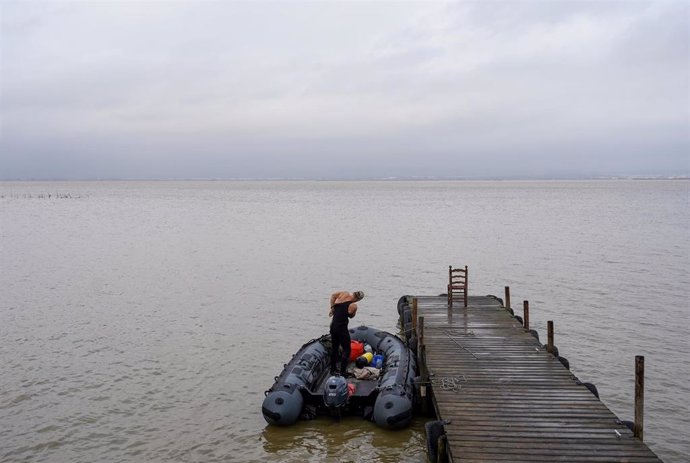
(507, 302)
(549, 344)
(441, 449)
(414, 315)
(424, 373)
(420, 335)
(525, 317)
(638, 427)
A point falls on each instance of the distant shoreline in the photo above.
(371, 179)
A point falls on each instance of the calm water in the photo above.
(142, 321)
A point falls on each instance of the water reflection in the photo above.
(351, 439)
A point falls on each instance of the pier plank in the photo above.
(506, 399)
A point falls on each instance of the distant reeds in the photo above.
(39, 196)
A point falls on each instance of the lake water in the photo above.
(143, 321)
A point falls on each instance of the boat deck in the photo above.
(506, 398)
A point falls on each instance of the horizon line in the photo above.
(353, 179)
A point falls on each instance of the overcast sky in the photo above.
(203, 89)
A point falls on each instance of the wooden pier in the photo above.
(504, 397)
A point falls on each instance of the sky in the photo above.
(344, 90)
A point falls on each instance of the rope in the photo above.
(460, 345)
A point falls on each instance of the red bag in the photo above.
(356, 349)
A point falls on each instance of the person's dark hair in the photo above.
(358, 295)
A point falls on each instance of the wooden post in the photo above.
(414, 315)
(549, 345)
(525, 314)
(507, 303)
(421, 332)
(423, 369)
(638, 427)
(425, 379)
(441, 449)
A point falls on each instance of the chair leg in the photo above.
(467, 282)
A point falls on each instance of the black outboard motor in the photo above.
(335, 395)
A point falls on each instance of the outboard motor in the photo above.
(335, 395)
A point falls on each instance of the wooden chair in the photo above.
(457, 283)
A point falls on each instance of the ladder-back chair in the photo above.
(457, 283)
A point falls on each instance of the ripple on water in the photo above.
(20, 398)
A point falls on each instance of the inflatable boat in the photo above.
(305, 388)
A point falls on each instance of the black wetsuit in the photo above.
(340, 335)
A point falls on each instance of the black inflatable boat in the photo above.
(305, 388)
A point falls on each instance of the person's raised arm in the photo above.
(352, 310)
(335, 296)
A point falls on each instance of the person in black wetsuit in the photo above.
(343, 307)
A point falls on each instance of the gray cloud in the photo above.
(339, 90)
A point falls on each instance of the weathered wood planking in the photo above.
(507, 399)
